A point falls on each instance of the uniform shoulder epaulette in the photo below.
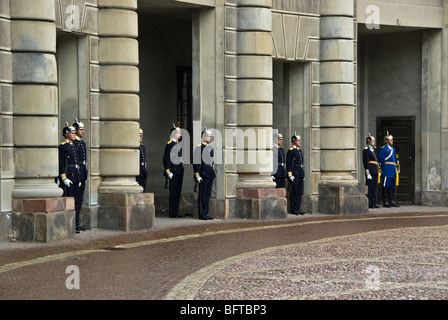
(291, 148)
(63, 142)
(169, 142)
(199, 145)
(366, 148)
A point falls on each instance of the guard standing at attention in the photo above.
(279, 175)
(69, 168)
(372, 170)
(296, 174)
(143, 173)
(204, 173)
(81, 148)
(174, 170)
(389, 171)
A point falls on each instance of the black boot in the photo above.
(386, 198)
(392, 198)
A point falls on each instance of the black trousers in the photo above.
(74, 191)
(142, 182)
(280, 182)
(205, 193)
(372, 190)
(296, 195)
(175, 192)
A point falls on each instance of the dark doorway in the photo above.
(403, 131)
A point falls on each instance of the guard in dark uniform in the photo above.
(69, 168)
(296, 174)
(143, 174)
(174, 170)
(372, 170)
(81, 148)
(279, 175)
(204, 173)
(389, 171)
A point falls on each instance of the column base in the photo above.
(341, 200)
(261, 204)
(43, 219)
(126, 212)
(434, 198)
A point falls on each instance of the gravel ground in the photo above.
(408, 264)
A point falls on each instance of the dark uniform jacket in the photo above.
(172, 158)
(68, 162)
(203, 161)
(370, 160)
(82, 158)
(280, 170)
(294, 162)
(143, 171)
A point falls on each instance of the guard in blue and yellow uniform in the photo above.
(174, 170)
(279, 175)
(372, 170)
(69, 168)
(143, 173)
(389, 171)
(81, 148)
(296, 174)
(204, 173)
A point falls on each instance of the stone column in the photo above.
(118, 100)
(249, 97)
(339, 191)
(6, 143)
(34, 128)
(119, 111)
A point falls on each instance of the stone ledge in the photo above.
(261, 193)
(109, 199)
(46, 205)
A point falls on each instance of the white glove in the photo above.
(171, 175)
(79, 185)
(369, 177)
(292, 178)
(272, 178)
(68, 182)
(199, 179)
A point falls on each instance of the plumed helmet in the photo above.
(175, 129)
(206, 133)
(78, 125)
(296, 137)
(370, 138)
(388, 136)
(68, 129)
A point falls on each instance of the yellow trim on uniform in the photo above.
(169, 142)
(289, 174)
(168, 171)
(63, 176)
(196, 175)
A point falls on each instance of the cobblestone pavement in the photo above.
(408, 264)
(388, 254)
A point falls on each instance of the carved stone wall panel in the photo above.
(295, 37)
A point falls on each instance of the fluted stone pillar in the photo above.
(118, 100)
(121, 204)
(339, 191)
(35, 99)
(249, 97)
